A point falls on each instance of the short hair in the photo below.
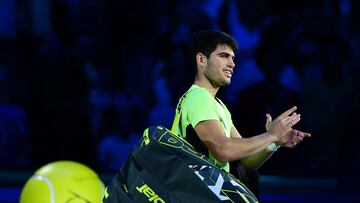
(206, 42)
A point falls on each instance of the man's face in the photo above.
(220, 66)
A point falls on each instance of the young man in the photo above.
(205, 122)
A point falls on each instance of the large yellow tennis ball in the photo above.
(63, 182)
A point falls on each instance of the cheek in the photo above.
(210, 71)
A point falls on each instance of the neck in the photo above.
(207, 85)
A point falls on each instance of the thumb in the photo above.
(268, 121)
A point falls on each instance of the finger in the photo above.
(300, 136)
(294, 121)
(287, 118)
(296, 137)
(296, 132)
(303, 134)
(307, 135)
(288, 112)
(293, 133)
(268, 118)
(297, 140)
(293, 116)
(268, 121)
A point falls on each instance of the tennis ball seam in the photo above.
(49, 184)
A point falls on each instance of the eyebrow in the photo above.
(227, 54)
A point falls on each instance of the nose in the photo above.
(231, 63)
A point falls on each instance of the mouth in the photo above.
(228, 73)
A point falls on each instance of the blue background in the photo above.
(81, 79)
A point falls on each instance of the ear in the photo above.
(200, 59)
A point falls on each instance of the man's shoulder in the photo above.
(198, 98)
(196, 92)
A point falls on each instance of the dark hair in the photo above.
(206, 41)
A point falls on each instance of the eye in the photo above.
(227, 56)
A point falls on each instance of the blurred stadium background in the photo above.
(81, 79)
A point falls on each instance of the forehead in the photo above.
(223, 48)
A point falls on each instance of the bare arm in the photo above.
(254, 161)
(226, 149)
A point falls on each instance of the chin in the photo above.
(224, 83)
(227, 82)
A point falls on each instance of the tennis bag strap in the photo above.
(164, 168)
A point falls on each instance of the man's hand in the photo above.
(292, 138)
(283, 123)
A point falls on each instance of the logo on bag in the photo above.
(153, 197)
(223, 186)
